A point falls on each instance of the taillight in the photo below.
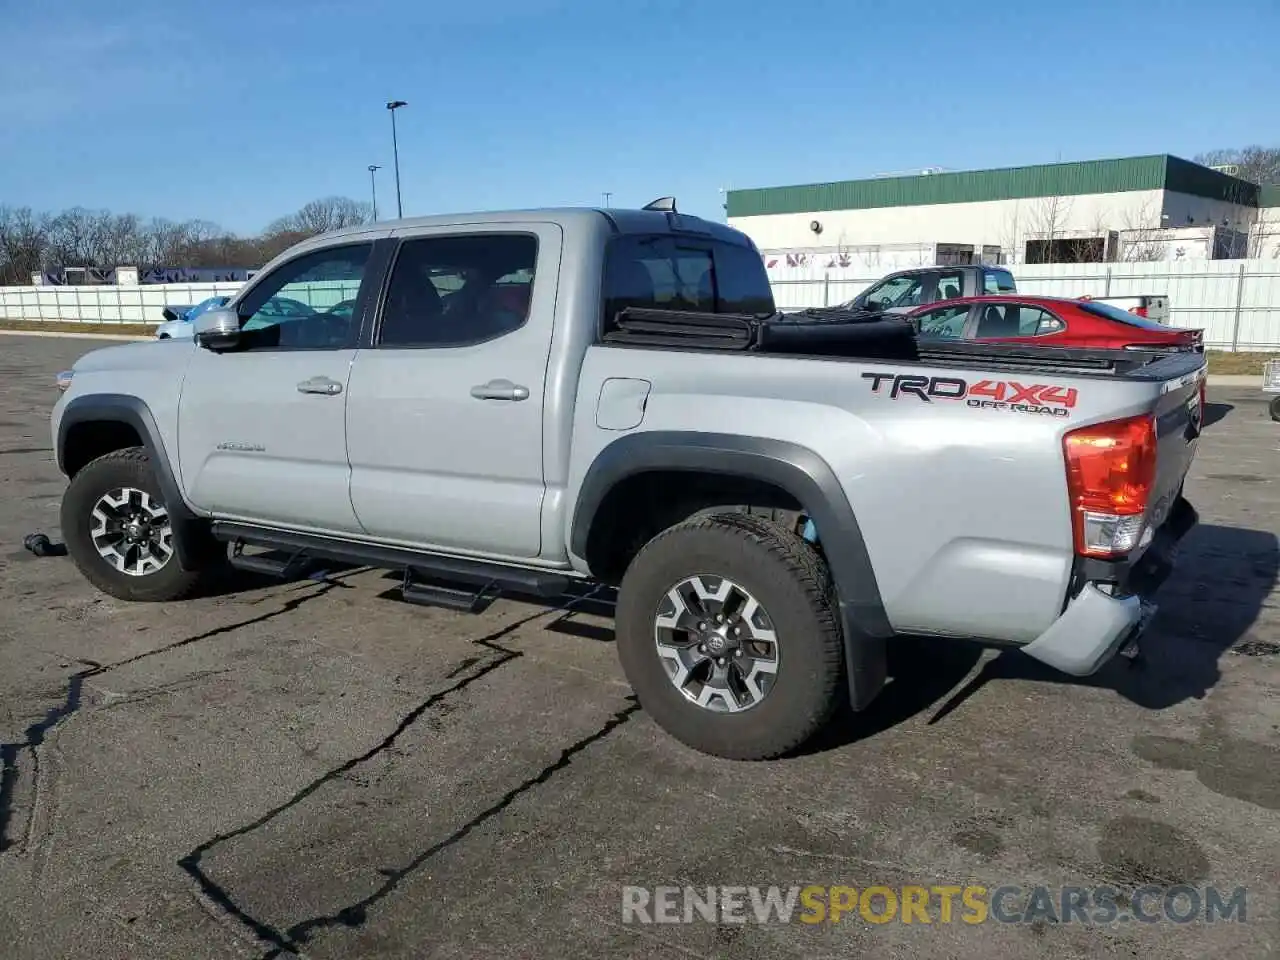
(1111, 468)
(1139, 311)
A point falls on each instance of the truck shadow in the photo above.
(1207, 608)
(1213, 412)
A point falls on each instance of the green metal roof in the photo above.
(970, 186)
(1269, 195)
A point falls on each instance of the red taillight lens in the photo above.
(1138, 311)
(1111, 468)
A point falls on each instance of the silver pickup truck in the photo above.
(524, 401)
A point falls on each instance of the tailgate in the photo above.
(1179, 414)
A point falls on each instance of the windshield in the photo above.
(1121, 316)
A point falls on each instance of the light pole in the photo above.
(607, 195)
(392, 107)
(373, 188)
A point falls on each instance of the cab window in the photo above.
(894, 292)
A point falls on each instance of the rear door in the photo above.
(445, 403)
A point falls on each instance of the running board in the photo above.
(483, 579)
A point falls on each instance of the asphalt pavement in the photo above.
(315, 768)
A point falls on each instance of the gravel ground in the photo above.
(314, 768)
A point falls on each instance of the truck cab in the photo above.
(904, 290)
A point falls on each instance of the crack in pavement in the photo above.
(353, 915)
(36, 733)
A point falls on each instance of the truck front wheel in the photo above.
(728, 633)
(120, 533)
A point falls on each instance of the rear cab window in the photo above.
(666, 272)
(998, 281)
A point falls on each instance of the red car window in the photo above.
(1121, 316)
(998, 321)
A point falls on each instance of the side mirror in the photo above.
(218, 329)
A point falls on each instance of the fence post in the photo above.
(826, 289)
(1235, 323)
(1106, 290)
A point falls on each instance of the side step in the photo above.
(468, 600)
(478, 582)
(264, 565)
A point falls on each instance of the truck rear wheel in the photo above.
(728, 634)
(120, 534)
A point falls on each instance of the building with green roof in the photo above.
(1134, 208)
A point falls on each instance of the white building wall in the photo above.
(1264, 241)
(1006, 223)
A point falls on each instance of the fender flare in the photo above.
(804, 475)
(122, 408)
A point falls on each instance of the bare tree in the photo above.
(99, 239)
(1256, 164)
(1141, 241)
(319, 216)
(23, 240)
(1046, 222)
(1011, 235)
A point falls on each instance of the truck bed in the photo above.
(862, 335)
(950, 456)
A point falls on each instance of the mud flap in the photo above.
(866, 659)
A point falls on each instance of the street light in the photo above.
(392, 107)
(373, 188)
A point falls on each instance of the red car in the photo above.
(1048, 322)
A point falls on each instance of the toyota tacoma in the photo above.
(534, 400)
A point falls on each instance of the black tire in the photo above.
(1274, 407)
(130, 467)
(791, 580)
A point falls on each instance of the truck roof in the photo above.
(622, 220)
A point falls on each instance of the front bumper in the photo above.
(1111, 605)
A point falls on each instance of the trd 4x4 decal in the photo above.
(1042, 398)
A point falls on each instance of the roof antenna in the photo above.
(662, 204)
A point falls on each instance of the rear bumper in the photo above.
(1111, 604)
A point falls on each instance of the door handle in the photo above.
(321, 385)
(500, 390)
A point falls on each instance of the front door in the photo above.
(262, 428)
(445, 409)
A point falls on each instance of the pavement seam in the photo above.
(73, 700)
(467, 672)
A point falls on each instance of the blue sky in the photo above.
(219, 111)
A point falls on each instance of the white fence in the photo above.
(144, 303)
(105, 304)
(1236, 302)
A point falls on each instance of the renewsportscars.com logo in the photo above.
(1041, 398)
